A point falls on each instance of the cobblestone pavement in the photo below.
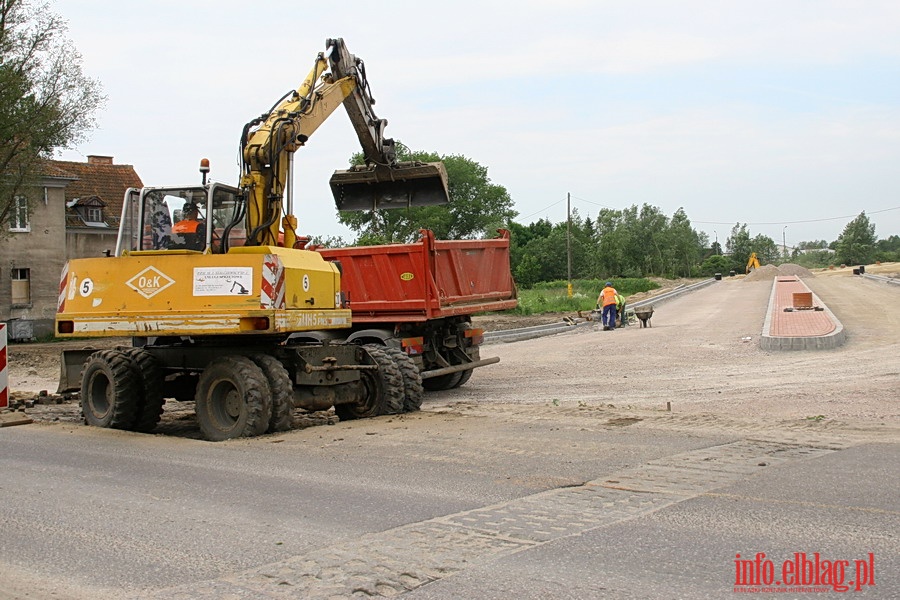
(392, 562)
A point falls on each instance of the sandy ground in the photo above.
(699, 365)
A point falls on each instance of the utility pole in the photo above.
(569, 241)
(783, 242)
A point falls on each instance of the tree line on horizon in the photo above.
(627, 243)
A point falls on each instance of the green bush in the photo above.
(552, 296)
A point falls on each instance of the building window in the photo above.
(18, 216)
(21, 286)
(94, 214)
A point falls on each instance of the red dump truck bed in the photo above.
(426, 280)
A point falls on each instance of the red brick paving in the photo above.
(798, 323)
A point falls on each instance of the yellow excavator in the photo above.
(222, 303)
(752, 262)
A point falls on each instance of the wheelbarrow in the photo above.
(643, 313)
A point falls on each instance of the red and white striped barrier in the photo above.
(4, 378)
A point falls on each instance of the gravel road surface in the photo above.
(557, 473)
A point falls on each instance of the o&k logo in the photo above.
(149, 282)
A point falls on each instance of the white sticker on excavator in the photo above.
(223, 281)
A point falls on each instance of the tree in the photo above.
(888, 250)
(46, 102)
(739, 246)
(856, 245)
(812, 245)
(477, 206)
(685, 244)
(767, 251)
(716, 263)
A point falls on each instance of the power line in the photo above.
(540, 211)
(594, 203)
(874, 212)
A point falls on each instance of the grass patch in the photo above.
(552, 296)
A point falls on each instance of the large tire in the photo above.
(464, 377)
(232, 395)
(109, 390)
(413, 391)
(282, 390)
(150, 403)
(442, 382)
(384, 388)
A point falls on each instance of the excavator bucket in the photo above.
(401, 186)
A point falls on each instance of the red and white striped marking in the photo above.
(271, 293)
(63, 285)
(4, 378)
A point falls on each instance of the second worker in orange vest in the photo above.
(607, 299)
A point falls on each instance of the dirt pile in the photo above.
(792, 269)
(763, 273)
(770, 272)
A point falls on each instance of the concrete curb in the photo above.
(814, 342)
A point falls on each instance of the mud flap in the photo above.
(401, 186)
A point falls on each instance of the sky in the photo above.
(784, 115)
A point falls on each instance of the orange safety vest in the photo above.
(609, 296)
(186, 226)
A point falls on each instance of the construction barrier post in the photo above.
(4, 378)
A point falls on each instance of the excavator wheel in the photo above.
(150, 378)
(232, 398)
(109, 390)
(282, 389)
(413, 391)
(384, 388)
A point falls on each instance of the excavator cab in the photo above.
(151, 218)
(399, 186)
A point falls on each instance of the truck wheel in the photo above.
(282, 389)
(384, 388)
(150, 403)
(231, 398)
(109, 390)
(413, 392)
(442, 382)
(464, 377)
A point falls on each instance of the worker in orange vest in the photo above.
(607, 300)
(190, 232)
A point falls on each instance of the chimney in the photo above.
(93, 159)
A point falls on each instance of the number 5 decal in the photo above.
(87, 286)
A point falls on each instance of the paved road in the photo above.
(471, 499)
(358, 507)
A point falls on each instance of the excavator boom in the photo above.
(382, 182)
(269, 142)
